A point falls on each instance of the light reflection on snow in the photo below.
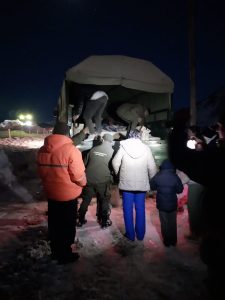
(22, 143)
(34, 144)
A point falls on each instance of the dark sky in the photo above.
(41, 39)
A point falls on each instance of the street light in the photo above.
(29, 117)
(26, 120)
(21, 117)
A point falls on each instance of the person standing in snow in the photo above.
(62, 172)
(206, 168)
(92, 112)
(135, 165)
(98, 169)
(167, 184)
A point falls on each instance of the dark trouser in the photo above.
(212, 244)
(194, 206)
(61, 226)
(93, 111)
(102, 192)
(168, 222)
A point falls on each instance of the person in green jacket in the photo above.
(98, 172)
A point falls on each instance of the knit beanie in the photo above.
(61, 128)
(107, 137)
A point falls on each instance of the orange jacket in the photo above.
(61, 168)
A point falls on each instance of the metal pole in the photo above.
(192, 60)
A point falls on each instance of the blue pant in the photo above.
(129, 200)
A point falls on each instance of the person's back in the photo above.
(98, 168)
(62, 172)
(167, 184)
(98, 182)
(135, 165)
(62, 180)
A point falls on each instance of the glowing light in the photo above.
(191, 144)
(26, 119)
(21, 117)
(28, 123)
(29, 117)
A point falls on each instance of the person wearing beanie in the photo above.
(108, 137)
(167, 184)
(135, 165)
(61, 128)
(62, 172)
(98, 170)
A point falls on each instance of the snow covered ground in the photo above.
(110, 267)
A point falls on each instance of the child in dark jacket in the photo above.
(167, 184)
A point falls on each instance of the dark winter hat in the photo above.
(166, 164)
(61, 128)
(135, 134)
(107, 137)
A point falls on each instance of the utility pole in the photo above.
(192, 59)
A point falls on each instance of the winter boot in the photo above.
(99, 219)
(81, 220)
(106, 222)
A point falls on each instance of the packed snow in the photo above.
(110, 267)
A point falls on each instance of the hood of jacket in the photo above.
(167, 165)
(55, 141)
(133, 147)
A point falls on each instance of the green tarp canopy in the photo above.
(123, 78)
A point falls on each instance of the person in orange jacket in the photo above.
(62, 172)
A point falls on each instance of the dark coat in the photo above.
(167, 184)
(207, 168)
(98, 167)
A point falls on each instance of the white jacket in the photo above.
(135, 164)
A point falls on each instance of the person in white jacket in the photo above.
(135, 165)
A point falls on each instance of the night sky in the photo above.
(41, 39)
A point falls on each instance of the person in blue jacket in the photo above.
(167, 184)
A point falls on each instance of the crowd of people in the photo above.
(197, 154)
(204, 163)
(61, 166)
